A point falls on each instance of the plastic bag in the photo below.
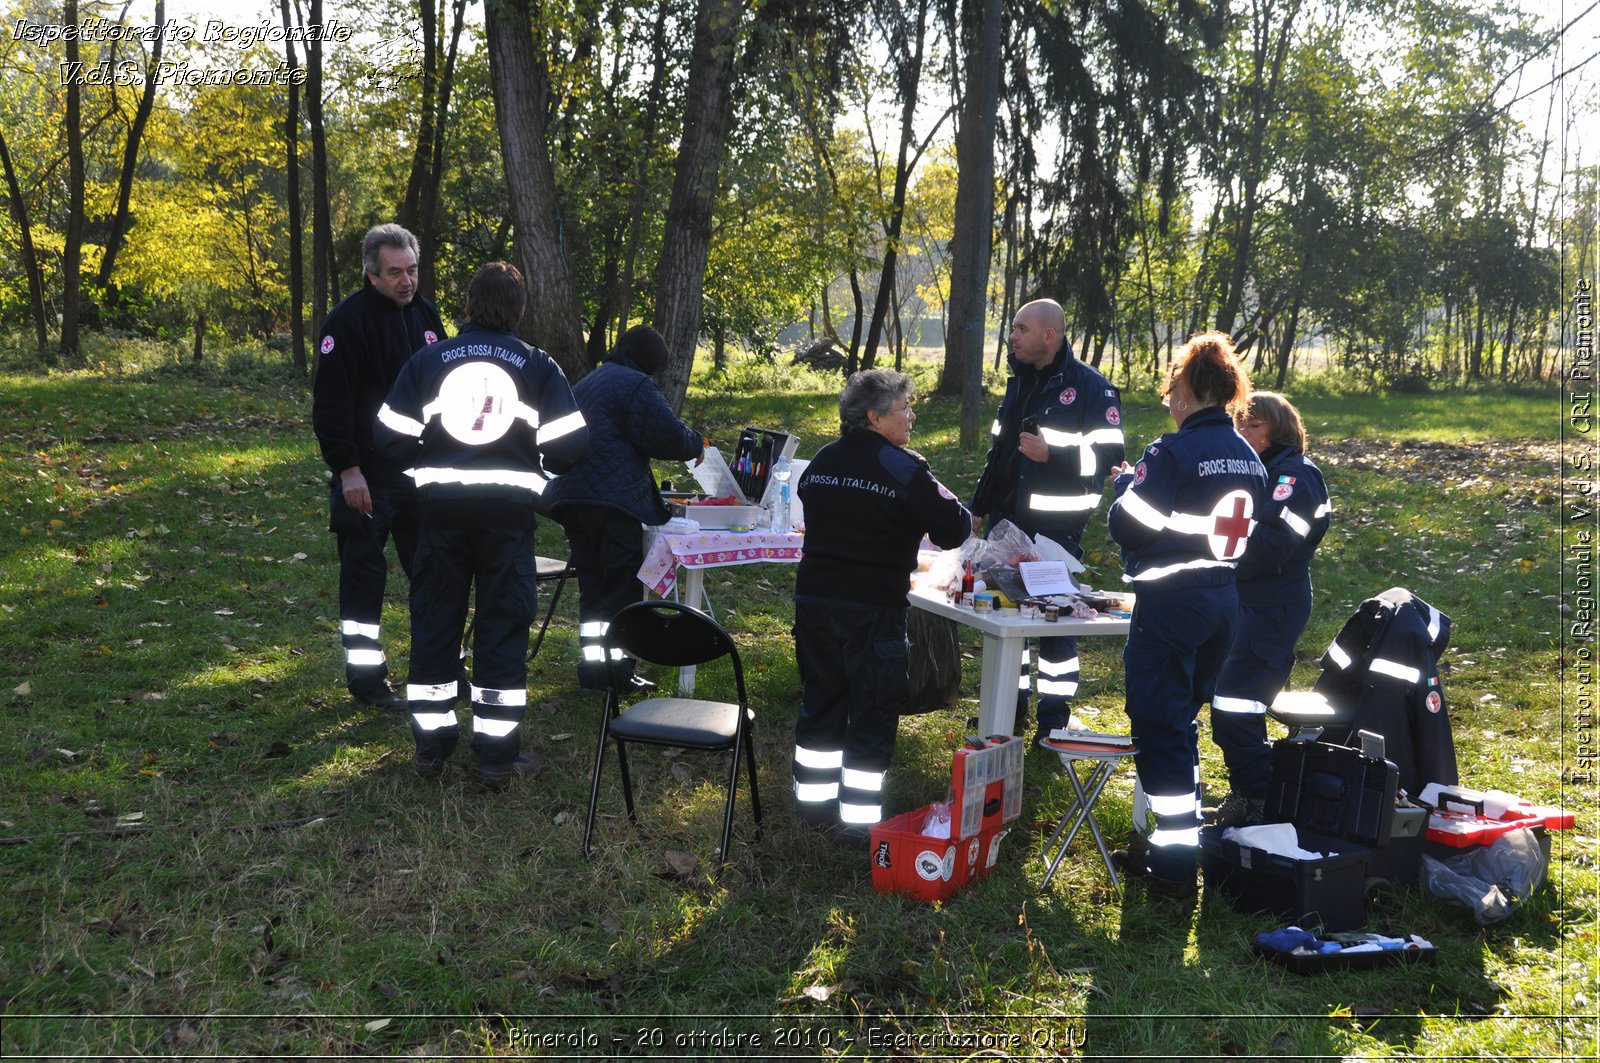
(937, 824)
(1490, 879)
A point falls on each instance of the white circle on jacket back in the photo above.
(1230, 525)
(478, 401)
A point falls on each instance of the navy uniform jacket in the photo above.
(1276, 566)
(868, 504)
(480, 422)
(1080, 417)
(365, 342)
(1385, 662)
(1186, 511)
(629, 423)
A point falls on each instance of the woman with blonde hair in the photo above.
(1183, 516)
(1274, 602)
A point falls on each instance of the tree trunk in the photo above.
(322, 271)
(422, 150)
(908, 74)
(686, 239)
(130, 153)
(30, 260)
(647, 149)
(199, 335)
(72, 244)
(553, 319)
(973, 237)
(428, 239)
(291, 151)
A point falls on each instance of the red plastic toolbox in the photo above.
(905, 860)
(1463, 817)
(985, 794)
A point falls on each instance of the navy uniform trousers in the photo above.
(1175, 649)
(853, 664)
(364, 574)
(607, 548)
(499, 563)
(1254, 673)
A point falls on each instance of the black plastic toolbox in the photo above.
(1341, 802)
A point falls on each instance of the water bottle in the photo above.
(780, 497)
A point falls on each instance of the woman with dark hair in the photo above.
(1183, 516)
(868, 502)
(602, 502)
(1274, 602)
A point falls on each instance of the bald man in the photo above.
(1047, 480)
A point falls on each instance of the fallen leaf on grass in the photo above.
(683, 864)
(681, 773)
(22, 689)
(562, 737)
(70, 755)
(181, 1035)
(563, 817)
(222, 612)
(224, 738)
(376, 1024)
(387, 990)
(279, 748)
(131, 817)
(611, 924)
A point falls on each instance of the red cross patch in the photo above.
(1435, 702)
(1069, 396)
(1113, 416)
(327, 344)
(1282, 491)
(944, 492)
(1138, 474)
(430, 336)
(1230, 525)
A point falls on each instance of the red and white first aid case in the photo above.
(986, 794)
(1462, 817)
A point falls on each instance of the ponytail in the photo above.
(1209, 368)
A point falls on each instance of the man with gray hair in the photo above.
(365, 341)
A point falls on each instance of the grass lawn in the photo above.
(208, 849)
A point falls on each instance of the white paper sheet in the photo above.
(1045, 577)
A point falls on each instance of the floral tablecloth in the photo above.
(664, 553)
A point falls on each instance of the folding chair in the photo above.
(550, 569)
(673, 634)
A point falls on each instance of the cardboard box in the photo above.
(986, 794)
(1341, 802)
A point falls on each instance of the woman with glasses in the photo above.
(868, 502)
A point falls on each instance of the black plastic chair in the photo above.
(673, 634)
(551, 569)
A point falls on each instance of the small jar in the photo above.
(1052, 613)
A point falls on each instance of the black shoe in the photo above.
(1237, 810)
(497, 777)
(1135, 869)
(380, 697)
(427, 767)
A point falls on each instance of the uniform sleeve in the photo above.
(1144, 500)
(397, 431)
(655, 431)
(1299, 516)
(1104, 445)
(937, 510)
(333, 392)
(562, 434)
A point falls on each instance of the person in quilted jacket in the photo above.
(603, 500)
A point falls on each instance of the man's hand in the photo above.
(356, 494)
(977, 525)
(1033, 447)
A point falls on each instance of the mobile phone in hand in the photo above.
(1031, 425)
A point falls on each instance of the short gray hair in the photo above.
(871, 389)
(386, 235)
